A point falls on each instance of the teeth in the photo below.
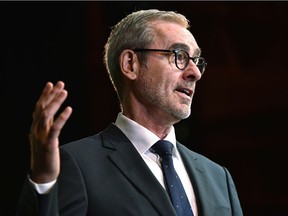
(185, 91)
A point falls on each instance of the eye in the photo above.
(199, 60)
(182, 57)
(195, 60)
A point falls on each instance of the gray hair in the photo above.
(134, 31)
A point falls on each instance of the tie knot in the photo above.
(163, 147)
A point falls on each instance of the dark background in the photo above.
(239, 113)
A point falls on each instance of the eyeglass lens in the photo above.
(183, 58)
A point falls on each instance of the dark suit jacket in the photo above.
(104, 175)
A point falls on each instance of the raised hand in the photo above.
(45, 131)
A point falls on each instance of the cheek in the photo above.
(169, 81)
(167, 84)
(160, 77)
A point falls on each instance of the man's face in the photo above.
(163, 88)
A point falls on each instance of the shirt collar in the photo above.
(141, 137)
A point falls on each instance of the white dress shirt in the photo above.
(143, 139)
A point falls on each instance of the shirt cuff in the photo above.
(44, 188)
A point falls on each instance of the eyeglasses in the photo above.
(181, 58)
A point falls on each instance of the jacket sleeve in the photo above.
(234, 200)
(33, 204)
(67, 197)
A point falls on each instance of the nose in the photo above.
(191, 72)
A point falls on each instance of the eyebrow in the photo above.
(177, 46)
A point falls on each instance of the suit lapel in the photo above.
(131, 164)
(199, 180)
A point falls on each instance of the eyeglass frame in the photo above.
(201, 67)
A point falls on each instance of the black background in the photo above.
(239, 112)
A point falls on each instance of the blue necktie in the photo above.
(173, 184)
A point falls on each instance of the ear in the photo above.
(129, 64)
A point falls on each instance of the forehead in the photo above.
(168, 35)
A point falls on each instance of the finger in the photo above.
(59, 123)
(43, 117)
(48, 94)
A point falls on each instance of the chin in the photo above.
(181, 114)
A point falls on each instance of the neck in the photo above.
(155, 120)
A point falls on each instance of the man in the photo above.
(154, 63)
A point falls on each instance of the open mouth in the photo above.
(185, 91)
